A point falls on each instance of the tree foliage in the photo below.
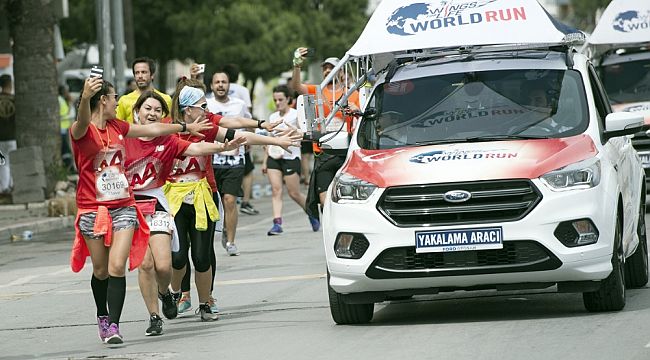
(257, 35)
(585, 12)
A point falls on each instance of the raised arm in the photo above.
(296, 82)
(91, 86)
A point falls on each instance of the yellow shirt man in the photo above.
(126, 102)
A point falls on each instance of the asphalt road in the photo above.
(274, 305)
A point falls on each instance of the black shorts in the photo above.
(248, 164)
(287, 166)
(229, 180)
(306, 147)
(325, 168)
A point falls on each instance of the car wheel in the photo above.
(611, 294)
(636, 266)
(346, 314)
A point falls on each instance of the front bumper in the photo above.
(551, 262)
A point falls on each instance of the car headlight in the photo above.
(349, 188)
(581, 175)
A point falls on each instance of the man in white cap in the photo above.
(325, 166)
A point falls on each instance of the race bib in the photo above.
(111, 184)
(160, 221)
(189, 198)
(275, 151)
(192, 177)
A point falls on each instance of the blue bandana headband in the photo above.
(189, 96)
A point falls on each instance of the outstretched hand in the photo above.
(270, 126)
(196, 127)
(288, 138)
(234, 143)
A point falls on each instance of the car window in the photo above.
(528, 102)
(627, 82)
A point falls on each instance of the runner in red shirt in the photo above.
(109, 228)
(190, 195)
(148, 162)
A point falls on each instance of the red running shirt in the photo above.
(194, 168)
(148, 162)
(99, 156)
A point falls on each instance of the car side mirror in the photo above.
(623, 123)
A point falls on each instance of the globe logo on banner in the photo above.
(397, 20)
(418, 17)
(631, 20)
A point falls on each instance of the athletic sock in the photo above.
(100, 288)
(116, 295)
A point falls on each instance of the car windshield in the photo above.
(475, 106)
(627, 82)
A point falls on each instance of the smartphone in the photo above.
(97, 71)
(201, 68)
(310, 52)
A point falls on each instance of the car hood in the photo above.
(495, 160)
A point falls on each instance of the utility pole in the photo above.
(104, 37)
(117, 17)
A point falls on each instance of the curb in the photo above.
(37, 225)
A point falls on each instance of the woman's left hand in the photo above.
(270, 126)
(234, 143)
(290, 139)
(196, 127)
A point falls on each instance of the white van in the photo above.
(620, 49)
(487, 157)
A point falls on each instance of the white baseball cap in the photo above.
(330, 60)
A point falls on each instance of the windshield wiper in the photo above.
(481, 139)
(505, 137)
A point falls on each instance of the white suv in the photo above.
(486, 167)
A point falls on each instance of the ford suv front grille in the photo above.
(490, 201)
(516, 256)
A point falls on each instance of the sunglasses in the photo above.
(203, 106)
(113, 95)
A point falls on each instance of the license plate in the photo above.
(645, 159)
(459, 240)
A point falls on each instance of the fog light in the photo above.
(576, 232)
(350, 245)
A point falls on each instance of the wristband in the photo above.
(184, 127)
(259, 123)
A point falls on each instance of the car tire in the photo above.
(636, 266)
(611, 294)
(348, 314)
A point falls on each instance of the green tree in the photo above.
(585, 12)
(257, 35)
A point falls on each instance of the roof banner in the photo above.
(623, 22)
(398, 25)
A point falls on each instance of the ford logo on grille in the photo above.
(457, 196)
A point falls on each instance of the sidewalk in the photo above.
(18, 218)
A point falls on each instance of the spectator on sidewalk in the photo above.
(144, 70)
(66, 116)
(8, 133)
